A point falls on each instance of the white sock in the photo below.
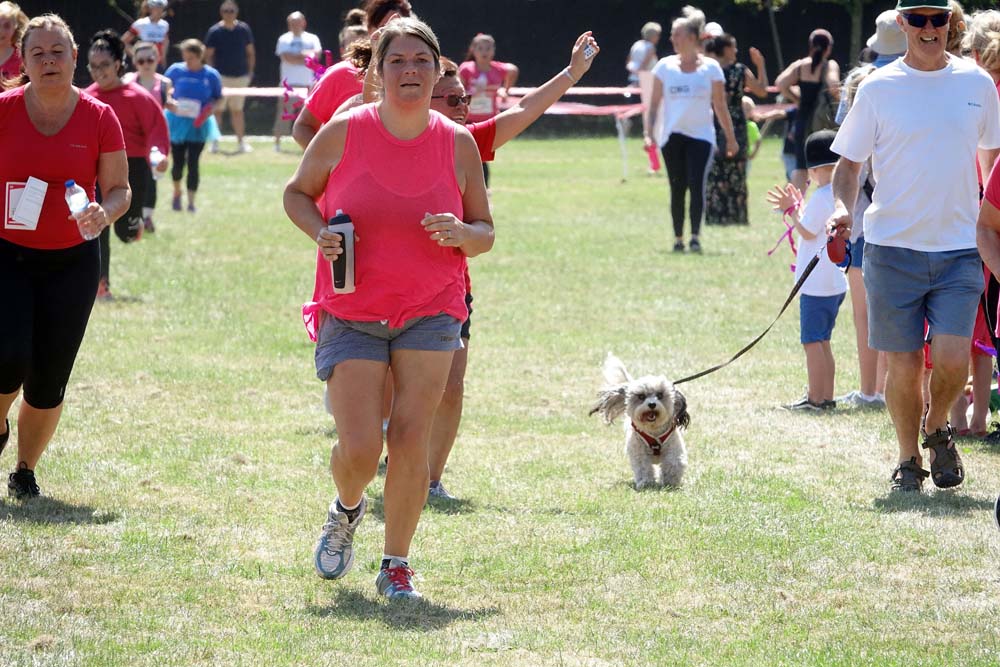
(147, 211)
(868, 397)
(395, 561)
(355, 506)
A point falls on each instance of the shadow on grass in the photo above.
(52, 511)
(324, 430)
(419, 614)
(941, 502)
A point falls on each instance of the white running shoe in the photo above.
(334, 554)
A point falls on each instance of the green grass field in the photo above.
(188, 480)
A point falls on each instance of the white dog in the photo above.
(657, 416)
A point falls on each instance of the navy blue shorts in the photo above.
(857, 253)
(817, 317)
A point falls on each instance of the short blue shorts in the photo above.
(857, 253)
(341, 340)
(905, 287)
(817, 317)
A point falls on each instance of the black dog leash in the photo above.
(795, 290)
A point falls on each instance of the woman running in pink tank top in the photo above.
(412, 183)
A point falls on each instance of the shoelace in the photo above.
(400, 577)
(337, 536)
(27, 481)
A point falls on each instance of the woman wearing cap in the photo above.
(814, 75)
(152, 28)
(687, 89)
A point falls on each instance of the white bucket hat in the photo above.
(888, 39)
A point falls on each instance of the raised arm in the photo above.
(757, 84)
(515, 120)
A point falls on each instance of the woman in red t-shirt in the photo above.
(51, 132)
(144, 127)
(12, 24)
(398, 161)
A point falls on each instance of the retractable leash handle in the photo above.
(836, 248)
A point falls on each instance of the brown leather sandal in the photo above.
(946, 468)
(908, 476)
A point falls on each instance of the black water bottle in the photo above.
(342, 268)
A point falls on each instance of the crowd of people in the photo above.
(397, 139)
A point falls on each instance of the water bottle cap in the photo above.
(340, 211)
(70, 183)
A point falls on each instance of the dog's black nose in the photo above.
(652, 405)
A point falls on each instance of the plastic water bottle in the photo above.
(155, 158)
(78, 201)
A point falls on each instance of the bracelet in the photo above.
(569, 76)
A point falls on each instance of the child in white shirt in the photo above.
(824, 289)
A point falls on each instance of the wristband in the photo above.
(569, 76)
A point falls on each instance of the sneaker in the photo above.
(993, 437)
(856, 399)
(215, 147)
(244, 147)
(191, 208)
(176, 203)
(104, 291)
(334, 555)
(695, 246)
(679, 246)
(396, 582)
(148, 226)
(437, 490)
(996, 511)
(804, 404)
(21, 484)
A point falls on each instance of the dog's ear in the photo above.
(681, 418)
(611, 402)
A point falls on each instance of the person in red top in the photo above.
(486, 81)
(412, 183)
(340, 83)
(144, 127)
(12, 24)
(450, 99)
(51, 132)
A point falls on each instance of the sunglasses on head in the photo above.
(453, 100)
(920, 20)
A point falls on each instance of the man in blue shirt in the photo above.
(230, 50)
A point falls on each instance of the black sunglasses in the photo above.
(453, 100)
(144, 61)
(920, 20)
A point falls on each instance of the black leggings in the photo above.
(187, 153)
(486, 173)
(687, 161)
(129, 226)
(45, 297)
(149, 200)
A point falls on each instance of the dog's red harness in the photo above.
(655, 444)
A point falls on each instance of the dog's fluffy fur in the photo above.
(652, 404)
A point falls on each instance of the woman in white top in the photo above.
(687, 88)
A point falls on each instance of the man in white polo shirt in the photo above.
(921, 119)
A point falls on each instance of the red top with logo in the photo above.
(338, 84)
(140, 116)
(71, 153)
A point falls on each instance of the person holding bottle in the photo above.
(161, 88)
(48, 272)
(144, 128)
